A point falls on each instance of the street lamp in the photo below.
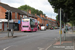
(60, 20)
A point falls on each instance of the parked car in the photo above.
(69, 28)
(43, 28)
(51, 28)
(56, 27)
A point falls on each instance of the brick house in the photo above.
(53, 22)
(43, 20)
(39, 19)
(16, 13)
(46, 21)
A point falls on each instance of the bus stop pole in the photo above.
(60, 26)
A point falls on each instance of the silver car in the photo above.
(43, 28)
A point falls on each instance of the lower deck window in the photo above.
(25, 26)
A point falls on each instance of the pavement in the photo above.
(68, 44)
(4, 35)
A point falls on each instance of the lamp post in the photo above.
(60, 31)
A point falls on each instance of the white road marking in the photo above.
(6, 48)
(51, 44)
(40, 48)
(48, 47)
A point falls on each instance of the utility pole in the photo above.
(64, 27)
(60, 26)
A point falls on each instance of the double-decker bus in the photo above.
(29, 24)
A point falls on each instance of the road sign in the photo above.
(18, 21)
(46, 24)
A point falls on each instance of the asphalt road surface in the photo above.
(39, 40)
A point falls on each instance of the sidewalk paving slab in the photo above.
(65, 46)
(68, 44)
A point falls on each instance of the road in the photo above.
(39, 40)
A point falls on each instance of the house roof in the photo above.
(7, 7)
(30, 15)
(44, 18)
(27, 13)
(47, 19)
(40, 17)
(34, 16)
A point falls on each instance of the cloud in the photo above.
(42, 5)
(13, 3)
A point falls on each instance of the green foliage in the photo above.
(33, 10)
(67, 5)
(57, 18)
(56, 10)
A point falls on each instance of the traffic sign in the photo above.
(19, 21)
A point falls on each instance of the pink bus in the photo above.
(29, 24)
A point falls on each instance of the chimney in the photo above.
(40, 15)
(29, 11)
(35, 14)
(43, 16)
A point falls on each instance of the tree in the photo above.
(67, 5)
(33, 10)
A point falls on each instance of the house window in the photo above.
(0, 25)
(15, 15)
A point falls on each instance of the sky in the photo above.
(42, 5)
